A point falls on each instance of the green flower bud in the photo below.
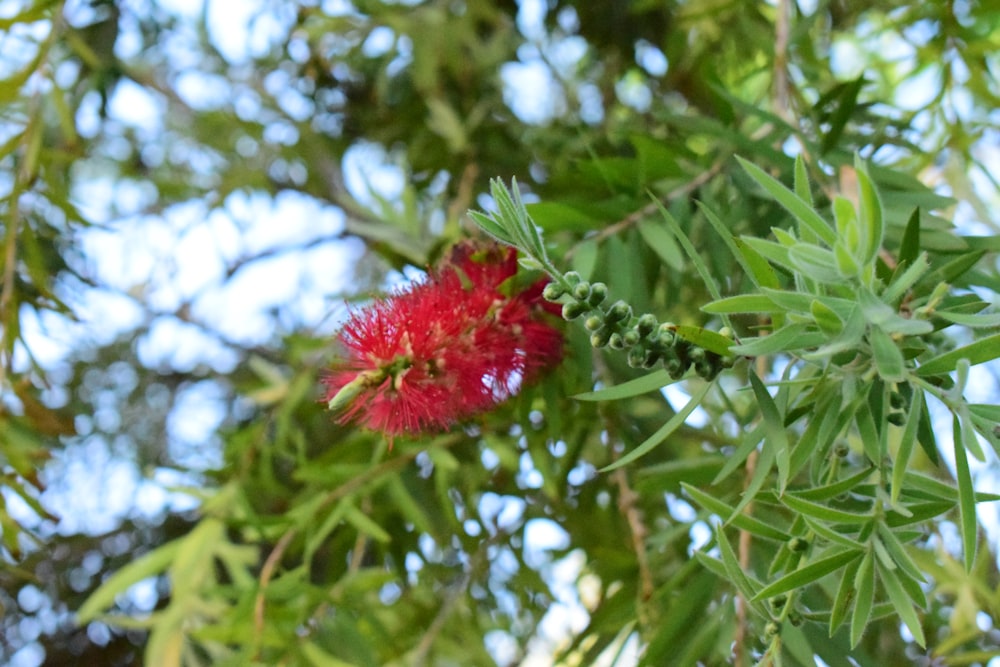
(618, 311)
(705, 369)
(600, 338)
(581, 291)
(652, 357)
(598, 293)
(593, 323)
(645, 325)
(630, 338)
(573, 310)
(636, 356)
(616, 342)
(553, 292)
(572, 277)
(674, 367)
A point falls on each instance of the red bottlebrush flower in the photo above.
(445, 349)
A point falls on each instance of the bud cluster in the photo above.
(646, 341)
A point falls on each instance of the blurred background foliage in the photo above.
(192, 191)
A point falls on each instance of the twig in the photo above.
(437, 625)
(636, 216)
(265, 578)
(633, 515)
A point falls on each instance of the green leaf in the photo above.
(638, 386)
(834, 489)
(870, 208)
(365, 524)
(487, 224)
(664, 431)
(846, 101)
(888, 357)
(907, 279)
(909, 248)
(801, 210)
(734, 572)
(981, 351)
(864, 597)
(972, 320)
(898, 553)
(699, 264)
(902, 604)
(786, 339)
(706, 338)
(808, 574)
(742, 303)
(729, 515)
(822, 512)
(845, 596)
(815, 263)
(659, 238)
(774, 429)
(761, 272)
(317, 657)
(800, 180)
(966, 497)
(832, 536)
(148, 565)
(755, 266)
(826, 318)
(906, 444)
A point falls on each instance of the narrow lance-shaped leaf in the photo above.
(808, 574)
(801, 210)
(664, 431)
(966, 497)
(864, 597)
(774, 429)
(981, 351)
(906, 444)
(902, 603)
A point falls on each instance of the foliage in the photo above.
(768, 440)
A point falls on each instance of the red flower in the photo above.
(445, 349)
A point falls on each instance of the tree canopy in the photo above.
(767, 237)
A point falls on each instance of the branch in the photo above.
(637, 216)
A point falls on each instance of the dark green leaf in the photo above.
(664, 431)
(809, 574)
(983, 350)
(966, 497)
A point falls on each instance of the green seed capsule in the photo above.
(598, 293)
(553, 292)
